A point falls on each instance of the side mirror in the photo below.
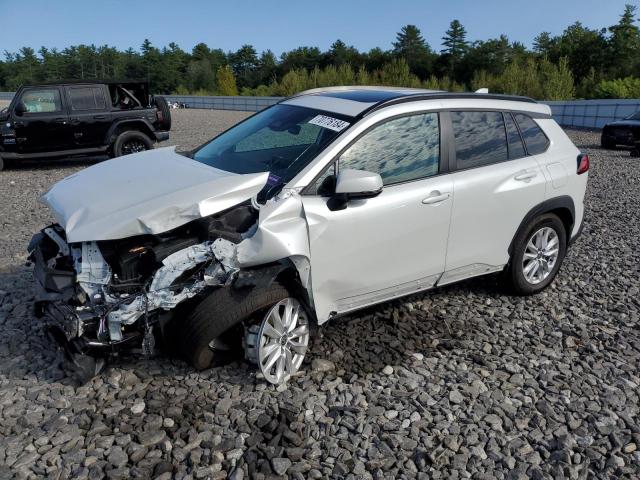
(20, 109)
(354, 184)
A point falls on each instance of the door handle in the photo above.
(99, 117)
(18, 124)
(436, 197)
(62, 121)
(525, 176)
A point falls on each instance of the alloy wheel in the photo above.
(283, 340)
(540, 255)
(133, 146)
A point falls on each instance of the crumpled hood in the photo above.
(145, 193)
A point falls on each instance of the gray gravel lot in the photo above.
(460, 382)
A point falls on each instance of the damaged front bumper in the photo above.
(73, 290)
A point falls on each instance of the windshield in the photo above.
(635, 116)
(281, 140)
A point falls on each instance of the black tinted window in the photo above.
(516, 149)
(86, 98)
(534, 139)
(480, 138)
(402, 149)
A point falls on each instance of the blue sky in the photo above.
(280, 26)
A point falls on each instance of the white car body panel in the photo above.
(377, 248)
(560, 162)
(488, 206)
(145, 193)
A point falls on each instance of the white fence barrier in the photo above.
(592, 113)
(575, 113)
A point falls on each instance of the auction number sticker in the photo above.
(329, 122)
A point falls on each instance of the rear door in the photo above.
(90, 114)
(495, 184)
(44, 126)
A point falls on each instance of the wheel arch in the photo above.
(561, 206)
(138, 124)
(288, 272)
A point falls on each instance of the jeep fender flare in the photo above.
(562, 206)
(141, 124)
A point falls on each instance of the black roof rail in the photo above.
(442, 96)
(86, 81)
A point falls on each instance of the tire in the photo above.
(516, 279)
(165, 113)
(218, 313)
(2, 164)
(133, 137)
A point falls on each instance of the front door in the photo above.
(390, 245)
(44, 125)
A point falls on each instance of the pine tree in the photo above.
(411, 46)
(455, 43)
(625, 44)
(226, 82)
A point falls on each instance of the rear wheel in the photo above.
(538, 251)
(2, 164)
(131, 142)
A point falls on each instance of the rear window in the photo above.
(480, 138)
(86, 98)
(534, 138)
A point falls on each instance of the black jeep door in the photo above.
(89, 114)
(43, 125)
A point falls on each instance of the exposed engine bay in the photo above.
(108, 296)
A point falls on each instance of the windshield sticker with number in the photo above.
(329, 122)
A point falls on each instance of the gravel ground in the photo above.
(460, 382)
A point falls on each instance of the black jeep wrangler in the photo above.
(68, 119)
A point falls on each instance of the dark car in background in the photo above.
(69, 119)
(622, 132)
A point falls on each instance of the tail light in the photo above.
(583, 163)
(159, 116)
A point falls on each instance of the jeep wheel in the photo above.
(538, 251)
(131, 142)
(164, 113)
(1, 164)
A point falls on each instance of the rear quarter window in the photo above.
(533, 136)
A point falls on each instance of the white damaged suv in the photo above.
(330, 201)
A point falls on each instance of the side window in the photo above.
(400, 150)
(534, 138)
(480, 138)
(86, 98)
(516, 148)
(45, 100)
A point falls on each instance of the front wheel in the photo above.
(538, 251)
(131, 142)
(278, 329)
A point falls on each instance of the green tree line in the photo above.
(579, 63)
